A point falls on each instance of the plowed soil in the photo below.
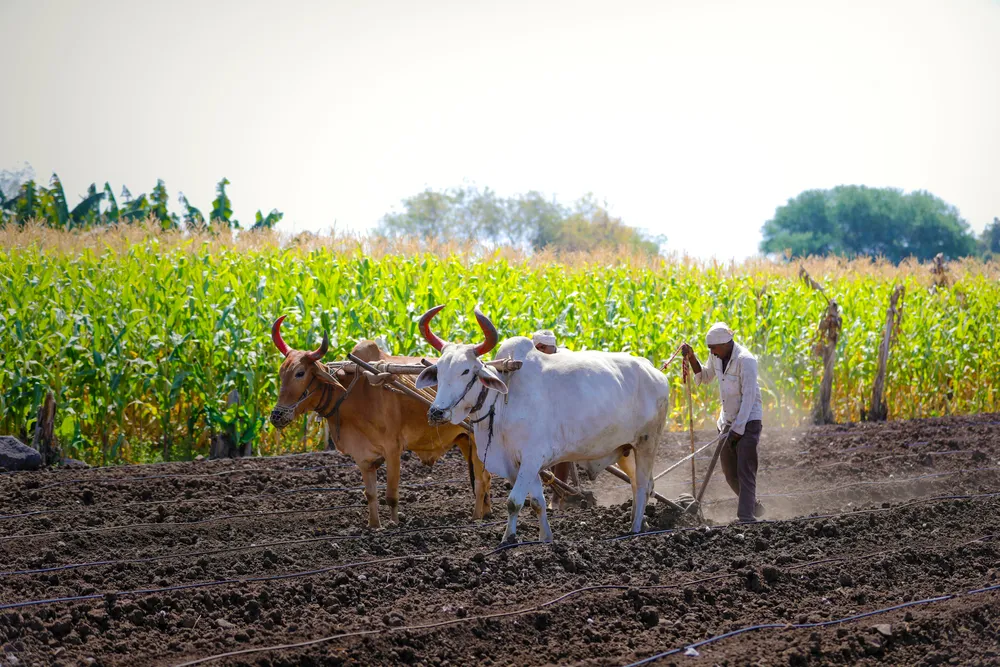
(177, 563)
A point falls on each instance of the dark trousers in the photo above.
(739, 463)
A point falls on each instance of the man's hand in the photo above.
(733, 439)
(688, 354)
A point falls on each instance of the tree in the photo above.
(88, 211)
(267, 221)
(159, 210)
(11, 181)
(135, 209)
(590, 227)
(22, 199)
(857, 220)
(989, 241)
(112, 214)
(528, 221)
(193, 218)
(222, 207)
(464, 214)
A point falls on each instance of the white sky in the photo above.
(692, 119)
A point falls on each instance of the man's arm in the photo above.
(748, 387)
(702, 374)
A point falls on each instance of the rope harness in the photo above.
(489, 415)
(288, 411)
(467, 388)
(335, 410)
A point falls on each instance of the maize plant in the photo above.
(143, 343)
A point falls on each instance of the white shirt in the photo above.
(737, 386)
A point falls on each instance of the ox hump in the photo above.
(367, 350)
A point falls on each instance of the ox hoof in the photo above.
(509, 539)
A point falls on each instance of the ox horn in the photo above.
(489, 331)
(276, 337)
(319, 352)
(425, 328)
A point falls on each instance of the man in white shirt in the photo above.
(742, 412)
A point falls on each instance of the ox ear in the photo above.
(491, 379)
(325, 376)
(427, 378)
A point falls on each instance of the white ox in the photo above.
(593, 407)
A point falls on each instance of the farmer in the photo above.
(545, 342)
(742, 412)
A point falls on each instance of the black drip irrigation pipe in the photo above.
(157, 464)
(561, 598)
(884, 482)
(822, 465)
(553, 601)
(815, 492)
(179, 501)
(251, 547)
(669, 531)
(692, 649)
(800, 519)
(255, 515)
(206, 584)
(183, 475)
(335, 538)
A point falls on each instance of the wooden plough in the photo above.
(399, 378)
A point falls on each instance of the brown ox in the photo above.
(368, 423)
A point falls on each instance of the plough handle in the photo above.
(622, 475)
(711, 466)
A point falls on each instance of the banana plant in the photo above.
(222, 207)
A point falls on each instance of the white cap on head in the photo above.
(544, 337)
(719, 334)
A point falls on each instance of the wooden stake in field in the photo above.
(44, 441)
(224, 445)
(878, 411)
(826, 348)
(827, 336)
(939, 272)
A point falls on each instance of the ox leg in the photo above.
(515, 501)
(627, 463)
(483, 479)
(392, 465)
(538, 505)
(368, 475)
(481, 483)
(642, 483)
(562, 473)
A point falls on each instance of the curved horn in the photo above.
(425, 328)
(319, 352)
(489, 331)
(276, 336)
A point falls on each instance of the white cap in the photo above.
(719, 334)
(544, 337)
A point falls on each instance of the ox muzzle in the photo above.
(282, 416)
(438, 416)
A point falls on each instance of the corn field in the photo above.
(143, 341)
